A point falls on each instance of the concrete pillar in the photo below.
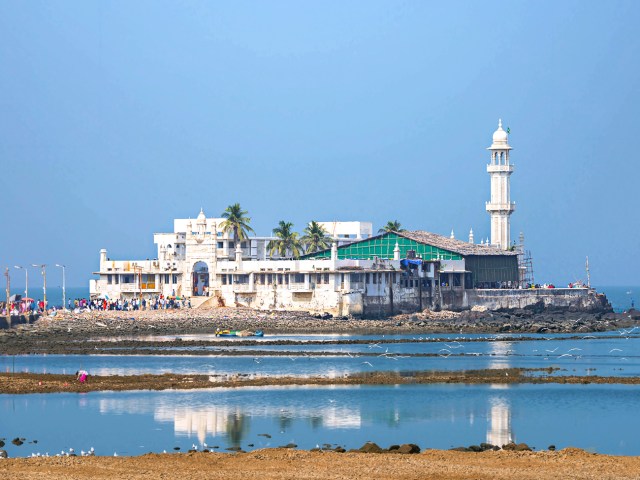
(306, 281)
(238, 256)
(396, 252)
(103, 259)
(334, 255)
(251, 281)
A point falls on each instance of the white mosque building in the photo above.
(361, 272)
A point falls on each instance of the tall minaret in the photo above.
(500, 207)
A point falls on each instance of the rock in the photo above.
(1, 444)
(475, 448)
(234, 449)
(487, 446)
(176, 448)
(370, 447)
(394, 447)
(409, 448)
(552, 448)
(3, 454)
(523, 447)
(339, 450)
(460, 449)
(17, 441)
(520, 447)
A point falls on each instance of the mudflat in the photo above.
(279, 464)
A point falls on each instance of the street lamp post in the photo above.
(6, 274)
(26, 280)
(44, 282)
(64, 292)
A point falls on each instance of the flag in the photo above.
(508, 130)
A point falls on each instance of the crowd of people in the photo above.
(157, 302)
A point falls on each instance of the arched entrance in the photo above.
(200, 279)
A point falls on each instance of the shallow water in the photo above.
(604, 355)
(597, 417)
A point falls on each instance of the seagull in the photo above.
(574, 348)
(257, 360)
(553, 351)
(565, 355)
(367, 363)
(615, 350)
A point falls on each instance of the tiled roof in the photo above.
(453, 245)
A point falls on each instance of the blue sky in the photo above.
(116, 117)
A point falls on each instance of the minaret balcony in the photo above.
(501, 207)
(491, 168)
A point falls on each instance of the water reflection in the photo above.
(235, 422)
(499, 431)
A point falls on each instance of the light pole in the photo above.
(44, 282)
(6, 274)
(26, 279)
(64, 293)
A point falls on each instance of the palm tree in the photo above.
(392, 226)
(287, 242)
(315, 238)
(236, 222)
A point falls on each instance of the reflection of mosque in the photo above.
(499, 431)
(231, 421)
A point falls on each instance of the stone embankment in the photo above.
(90, 324)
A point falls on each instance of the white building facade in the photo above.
(202, 262)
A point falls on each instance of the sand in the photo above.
(292, 464)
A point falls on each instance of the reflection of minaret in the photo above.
(500, 351)
(499, 432)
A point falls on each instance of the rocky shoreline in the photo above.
(136, 332)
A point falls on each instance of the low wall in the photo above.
(13, 320)
(579, 299)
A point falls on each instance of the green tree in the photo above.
(392, 226)
(236, 221)
(315, 238)
(287, 241)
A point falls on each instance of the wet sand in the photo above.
(292, 464)
(21, 383)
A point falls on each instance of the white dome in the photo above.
(500, 139)
(500, 136)
(201, 217)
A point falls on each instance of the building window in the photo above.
(166, 278)
(232, 244)
(109, 279)
(116, 279)
(220, 245)
(242, 279)
(175, 279)
(298, 278)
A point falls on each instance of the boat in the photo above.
(239, 333)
